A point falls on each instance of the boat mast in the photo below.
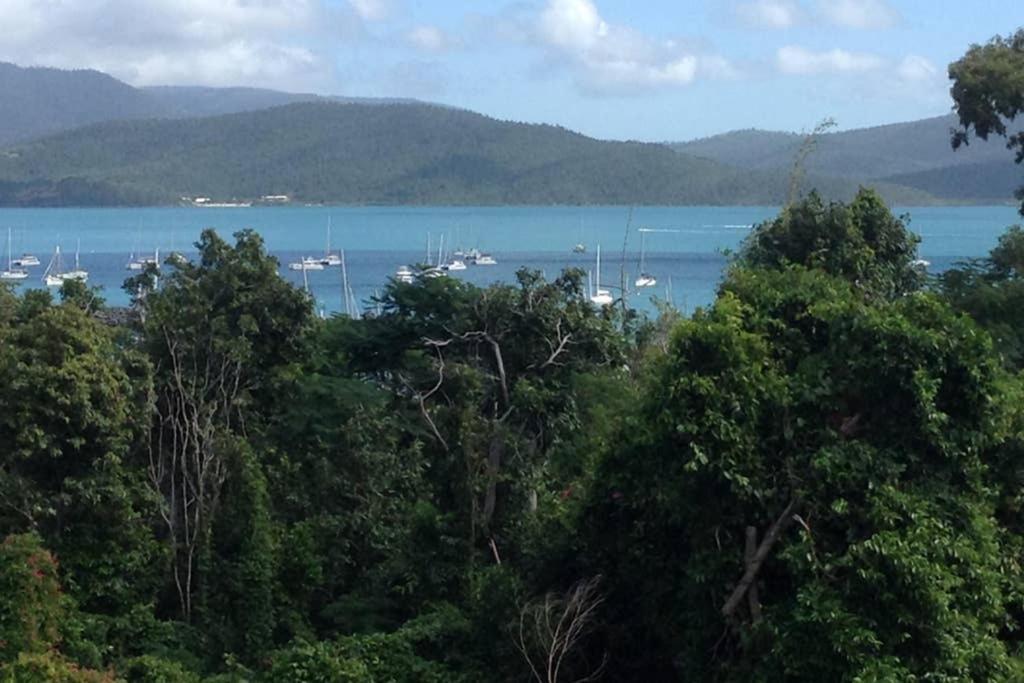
(344, 285)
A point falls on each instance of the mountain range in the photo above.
(85, 138)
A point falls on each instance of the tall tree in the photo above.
(216, 332)
(988, 92)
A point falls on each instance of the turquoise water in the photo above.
(685, 254)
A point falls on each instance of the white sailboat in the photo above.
(645, 279)
(54, 274)
(78, 273)
(329, 258)
(11, 274)
(601, 297)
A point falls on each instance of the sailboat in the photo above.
(77, 273)
(601, 297)
(645, 279)
(11, 274)
(54, 275)
(330, 259)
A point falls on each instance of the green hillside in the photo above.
(385, 154)
(876, 152)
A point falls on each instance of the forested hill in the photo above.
(386, 154)
(41, 101)
(916, 153)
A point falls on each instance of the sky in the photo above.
(616, 69)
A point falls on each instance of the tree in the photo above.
(216, 333)
(73, 410)
(861, 242)
(829, 453)
(988, 92)
(991, 291)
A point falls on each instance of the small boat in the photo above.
(330, 259)
(143, 262)
(26, 261)
(12, 274)
(484, 260)
(77, 273)
(645, 279)
(54, 275)
(307, 263)
(405, 274)
(601, 297)
(455, 264)
(580, 248)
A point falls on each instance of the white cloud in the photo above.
(769, 13)
(430, 39)
(917, 69)
(796, 60)
(609, 59)
(274, 43)
(372, 10)
(859, 14)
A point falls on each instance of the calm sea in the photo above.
(684, 246)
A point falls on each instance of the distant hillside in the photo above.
(41, 101)
(38, 101)
(915, 154)
(988, 181)
(865, 153)
(391, 154)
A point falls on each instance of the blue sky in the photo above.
(641, 69)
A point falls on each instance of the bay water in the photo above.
(685, 247)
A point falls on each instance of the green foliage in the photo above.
(872, 421)
(49, 668)
(991, 291)
(861, 242)
(316, 663)
(150, 669)
(238, 594)
(73, 407)
(33, 606)
(988, 91)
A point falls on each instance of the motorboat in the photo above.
(307, 263)
(484, 260)
(26, 261)
(405, 274)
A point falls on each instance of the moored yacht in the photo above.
(78, 273)
(12, 274)
(307, 263)
(54, 274)
(601, 297)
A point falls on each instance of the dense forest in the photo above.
(815, 478)
(818, 477)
